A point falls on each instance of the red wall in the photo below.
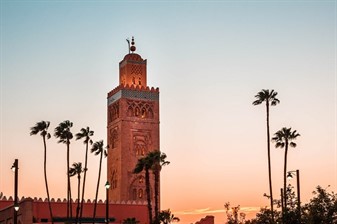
(38, 209)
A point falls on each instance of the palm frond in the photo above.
(279, 145)
(293, 144)
(266, 96)
(97, 147)
(283, 136)
(140, 166)
(41, 127)
(76, 169)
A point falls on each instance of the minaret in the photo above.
(133, 128)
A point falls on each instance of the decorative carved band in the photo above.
(134, 94)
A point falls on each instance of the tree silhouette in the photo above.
(63, 133)
(85, 134)
(98, 149)
(283, 139)
(166, 217)
(269, 97)
(145, 164)
(42, 128)
(157, 159)
(77, 170)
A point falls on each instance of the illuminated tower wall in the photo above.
(133, 128)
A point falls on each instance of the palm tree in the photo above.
(85, 133)
(77, 169)
(158, 160)
(145, 164)
(166, 217)
(98, 149)
(284, 138)
(64, 134)
(42, 128)
(270, 98)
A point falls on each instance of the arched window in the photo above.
(140, 193)
(137, 112)
(141, 179)
(143, 113)
(139, 81)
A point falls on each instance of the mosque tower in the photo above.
(133, 128)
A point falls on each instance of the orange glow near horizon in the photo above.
(59, 59)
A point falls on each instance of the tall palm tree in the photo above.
(85, 133)
(283, 139)
(63, 133)
(269, 97)
(145, 164)
(42, 128)
(157, 159)
(98, 149)
(77, 169)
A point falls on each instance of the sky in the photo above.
(59, 59)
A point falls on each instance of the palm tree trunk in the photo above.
(99, 177)
(84, 178)
(269, 165)
(285, 179)
(45, 178)
(156, 196)
(148, 195)
(68, 185)
(78, 196)
(70, 204)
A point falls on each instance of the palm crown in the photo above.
(76, 169)
(266, 96)
(285, 136)
(41, 127)
(85, 133)
(63, 132)
(158, 160)
(98, 147)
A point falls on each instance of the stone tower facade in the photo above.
(133, 128)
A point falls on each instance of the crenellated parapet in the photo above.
(133, 92)
(133, 88)
(88, 201)
(37, 208)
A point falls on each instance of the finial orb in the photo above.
(133, 47)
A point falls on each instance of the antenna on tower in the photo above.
(127, 39)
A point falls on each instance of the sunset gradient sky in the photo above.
(59, 59)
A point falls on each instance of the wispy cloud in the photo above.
(209, 210)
